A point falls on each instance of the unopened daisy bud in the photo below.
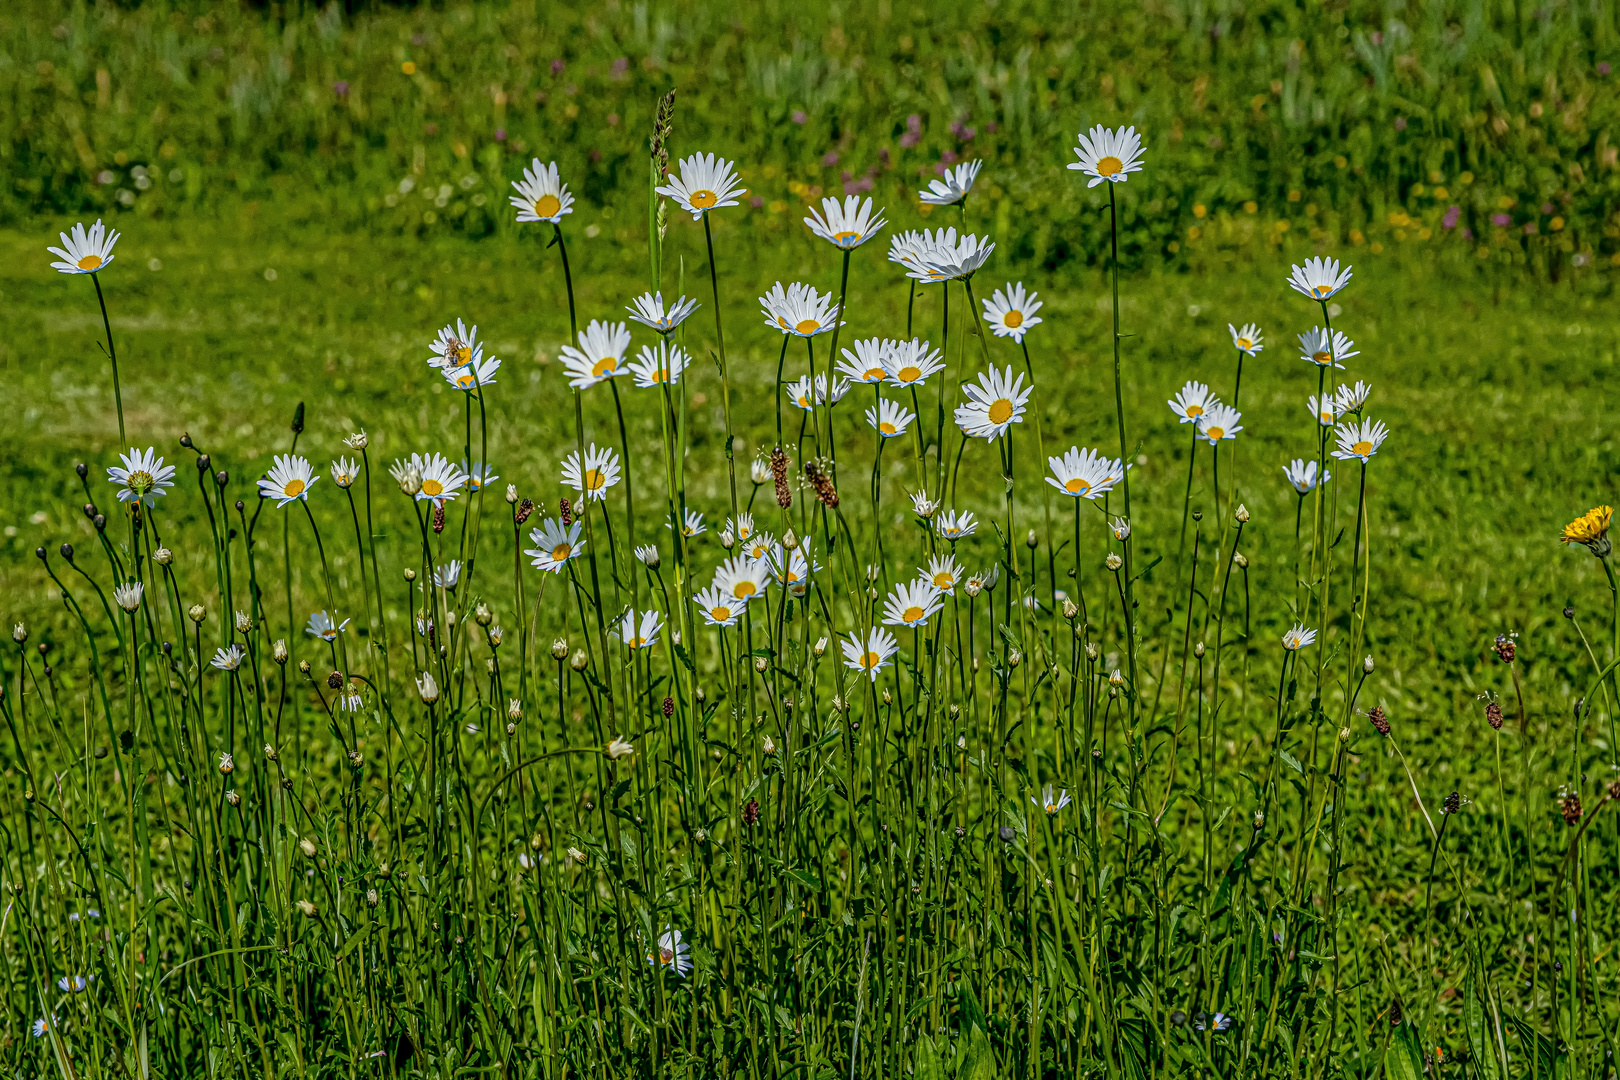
(1092, 652)
(579, 661)
(233, 798)
(1242, 513)
(307, 846)
(307, 907)
(577, 855)
(1344, 734)
(761, 664)
(973, 588)
(699, 694)
(243, 623)
(226, 764)
(1259, 819)
(619, 747)
(768, 745)
(820, 647)
(789, 540)
(1116, 678)
(482, 615)
(197, 613)
(410, 575)
(559, 648)
(511, 493)
(961, 742)
(923, 506)
(1198, 650)
(728, 539)
(357, 441)
(427, 687)
(163, 556)
(19, 633)
(1032, 540)
(1070, 609)
(1113, 562)
(495, 634)
(303, 667)
(128, 595)
(1239, 560)
(1367, 664)
(648, 554)
(511, 729)
(759, 471)
(269, 752)
(408, 476)
(888, 699)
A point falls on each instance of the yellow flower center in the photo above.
(89, 262)
(911, 614)
(1013, 320)
(806, 327)
(547, 205)
(462, 353)
(561, 552)
(1000, 411)
(1215, 432)
(595, 480)
(886, 428)
(1323, 358)
(944, 581)
(792, 576)
(605, 366)
(432, 487)
(139, 481)
(871, 660)
(846, 237)
(1321, 290)
(466, 379)
(909, 373)
(1362, 448)
(1195, 410)
(1077, 486)
(661, 375)
(1245, 343)
(743, 590)
(1109, 166)
(666, 956)
(720, 613)
(703, 198)
(293, 488)
(873, 375)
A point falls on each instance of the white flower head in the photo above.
(639, 633)
(470, 377)
(478, 475)
(1220, 422)
(691, 524)
(142, 478)
(1302, 475)
(228, 659)
(86, 250)
(1359, 440)
(705, 183)
(658, 365)
(863, 362)
(448, 575)
(1319, 278)
(911, 603)
(911, 363)
(799, 310)
(345, 471)
(456, 346)
(1352, 399)
(1324, 349)
(1298, 637)
(555, 544)
(290, 478)
(942, 573)
(742, 577)
(1192, 402)
(648, 310)
(1085, 474)
(442, 479)
(951, 258)
(847, 225)
(954, 526)
(599, 472)
(128, 594)
(541, 195)
(807, 394)
(995, 404)
(923, 506)
(953, 185)
(323, 626)
(908, 248)
(871, 655)
(672, 954)
(1011, 313)
(718, 607)
(600, 355)
(1108, 155)
(1051, 801)
(889, 419)
(1325, 409)
(1247, 340)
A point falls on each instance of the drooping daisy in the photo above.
(644, 636)
(1108, 155)
(847, 225)
(719, 607)
(909, 247)
(1120, 528)
(1012, 313)
(1319, 347)
(672, 954)
(1302, 475)
(478, 476)
(995, 404)
(441, 479)
(600, 354)
(659, 364)
(692, 525)
(871, 655)
(142, 478)
(799, 309)
(1221, 1022)
(942, 574)
(1319, 278)
(228, 659)
(705, 182)
(923, 506)
(600, 472)
(911, 363)
(127, 594)
(1220, 422)
(1051, 801)
(456, 346)
(1352, 399)
(801, 392)
(86, 250)
(345, 471)
(1246, 340)
(912, 603)
(865, 363)
(1085, 474)
(447, 576)
(323, 626)
(1325, 409)
(953, 526)
(742, 527)
(470, 377)
(1359, 440)
(290, 478)
(742, 578)
(1591, 529)
(648, 310)
(889, 418)
(542, 196)
(1192, 402)
(952, 258)
(1297, 638)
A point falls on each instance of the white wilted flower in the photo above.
(427, 687)
(345, 471)
(128, 594)
(1302, 475)
(1297, 638)
(620, 747)
(648, 309)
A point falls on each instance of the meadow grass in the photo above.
(1252, 877)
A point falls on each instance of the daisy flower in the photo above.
(542, 196)
(759, 471)
(742, 527)
(865, 363)
(1193, 401)
(128, 595)
(693, 524)
(1590, 529)
(600, 472)
(478, 475)
(647, 554)
(644, 637)
(705, 182)
(672, 954)
(142, 478)
(601, 351)
(1319, 278)
(1360, 440)
(1012, 313)
(1120, 528)
(1353, 398)
(994, 405)
(1220, 422)
(909, 247)
(227, 764)
(951, 259)
(470, 377)
(228, 659)
(648, 310)
(923, 506)
(1222, 1022)
(1302, 475)
(911, 603)
(953, 526)
(1085, 474)
(72, 984)
(1108, 155)
(942, 574)
(1325, 409)
(759, 545)
(43, 1026)
(321, 625)
(1297, 638)
(953, 186)
(910, 363)
(846, 226)
(345, 471)
(871, 655)
(741, 578)
(290, 478)
(1325, 349)
(455, 346)
(1051, 801)
(798, 310)
(889, 418)
(790, 569)
(86, 251)
(719, 607)
(441, 480)
(448, 575)
(1246, 340)
(659, 364)
(801, 394)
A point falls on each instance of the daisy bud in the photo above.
(761, 664)
(1031, 540)
(226, 765)
(888, 699)
(1113, 562)
(1198, 650)
(163, 556)
(1239, 560)
(307, 907)
(482, 615)
(410, 575)
(577, 855)
(820, 647)
(559, 648)
(1092, 651)
(1259, 819)
(408, 476)
(1116, 678)
(307, 846)
(768, 745)
(355, 759)
(495, 636)
(1242, 513)
(789, 540)
(1015, 658)
(198, 613)
(579, 661)
(511, 493)
(1070, 609)
(243, 623)
(700, 835)
(728, 539)
(357, 441)
(1344, 734)
(303, 667)
(372, 897)
(961, 742)
(514, 709)
(19, 633)
(233, 798)
(428, 688)
(511, 729)
(698, 693)
(619, 747)
(648, 554)
(973, 588)
(1367, 664)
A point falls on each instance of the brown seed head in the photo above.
(779, 473)
(438, 517)
(822, 484)
(1379, 720)
(524, 509)
(1571, 806)
(565, 510)
(1505, 648)
(1493, 715)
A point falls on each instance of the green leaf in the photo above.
(926, 1064)
(1403, 1057)
(1479, 1034)
(979, 1062)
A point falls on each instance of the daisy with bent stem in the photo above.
(143, 478)
(542, 196)
(89, 251)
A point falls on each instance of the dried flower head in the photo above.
(1505, 648)
(1493, 715)
(1571, 806)
(1379, 720)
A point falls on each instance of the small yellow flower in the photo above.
(1591, 529)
